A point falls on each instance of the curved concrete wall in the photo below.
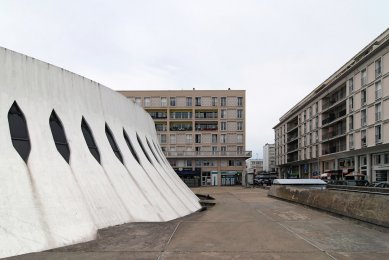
(47, 202)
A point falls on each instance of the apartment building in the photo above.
(201, 132)
(269, 158)
(342, 127)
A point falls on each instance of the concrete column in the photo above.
(336, 164)
(356, 164)
(369, 171)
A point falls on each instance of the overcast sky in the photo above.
(278, 51)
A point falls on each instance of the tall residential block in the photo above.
(201, 132)
(269, 158)
(342, 126)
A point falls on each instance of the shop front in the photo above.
(191, 177)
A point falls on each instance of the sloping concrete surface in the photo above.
(244, 224)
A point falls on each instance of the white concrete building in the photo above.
(75, 157)
(269, 158)
(342, 126)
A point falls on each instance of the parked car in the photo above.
(381, 184)
(264, 179)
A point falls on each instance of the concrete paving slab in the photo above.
(235, 236)
(244, 224)
(244, 255)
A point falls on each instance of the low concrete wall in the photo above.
(367, 207)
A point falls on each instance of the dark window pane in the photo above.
(63, 149)
(59, 136)
(89, 140)
(129, 144)
(143, 149)
(113, 144)
(22, 147)
(19, 132)
(95, 153)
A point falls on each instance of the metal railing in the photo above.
(247, 154)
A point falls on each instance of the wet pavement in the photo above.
(244, 224)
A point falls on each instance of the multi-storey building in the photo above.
(342, 126)
(254, 166)
(269, 158)
(202, 132)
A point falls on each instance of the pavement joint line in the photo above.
(168, 242)
(306, 240)
(297, 235)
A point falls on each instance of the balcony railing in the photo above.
(333, 116)
(173, 154)
(334, 149)
(333, 134)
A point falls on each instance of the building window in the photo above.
(363, 97)
(188, 139)
(239, 139)
(378, 69)
(147, 101)
(188, 163)
(363, 138)
(350, 83)
(138, 101)
(317, 107)
(386, 158)
(239, 113)
(214, 138)
(240, 101)
(223, 101)
(188, 101)
(113, 144)
(378, 134)
(351, 103)
(214, 150)
(223, 113)
(198, 101)
(351, 141)
(59, 136)
(161, 127)
(163, 139)
(310, 112)
(317, 122)
(363, 117)
(90, 141)
(214, 101)
(378, 110)
(163, 101)
(239, 149)
(173, 139)
(223, 138)
(223, 150)
(351, 123)
(129, 144)
(363, 77)
(172, 101)
(239, 126)
(378, 90)
(19, 131)
(377, 159)
(198, 138)
(223, 126)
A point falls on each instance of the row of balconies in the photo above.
(174, 154)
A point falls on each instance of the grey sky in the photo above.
(277, 50)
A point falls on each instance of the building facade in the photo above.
(342, 127)
(201, 132)
(67, 140)
(269, 158)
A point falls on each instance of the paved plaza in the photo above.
(244, 224)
